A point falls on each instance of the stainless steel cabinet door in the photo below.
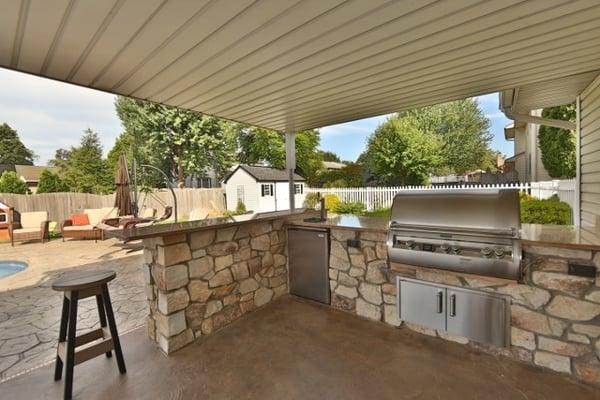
(480, 317)
(308, 252)
(422, 304)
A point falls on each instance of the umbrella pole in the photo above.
(135, 189)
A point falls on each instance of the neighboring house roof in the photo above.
(514, 158)
(7, 167)
(31, 173)
(264, 174)
(333, 165)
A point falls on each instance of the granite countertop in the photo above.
(354, 222)
(568, 236)
(173, 228)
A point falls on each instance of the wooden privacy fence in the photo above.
(61, 205)
(381, 197)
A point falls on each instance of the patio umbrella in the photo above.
(122, 196)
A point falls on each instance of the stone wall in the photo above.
(555, 316)
(199, 282)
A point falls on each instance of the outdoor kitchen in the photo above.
(457, 266)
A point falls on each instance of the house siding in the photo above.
(590, 155)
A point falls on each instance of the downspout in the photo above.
(290, 161)
(577, 210)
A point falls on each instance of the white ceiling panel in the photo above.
(299, 64)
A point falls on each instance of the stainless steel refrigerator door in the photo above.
(422, 304)
(308, 252)
(476, 316)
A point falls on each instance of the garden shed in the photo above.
(261, 188)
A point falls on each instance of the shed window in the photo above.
(240, 194)
(298, 188)
(266, 190)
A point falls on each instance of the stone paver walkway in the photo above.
(30, 309)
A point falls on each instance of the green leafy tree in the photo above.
(178, 141)
(463, 132)
(558, 146)
(51, 183)
(258, 144)
(12, 150)
(329, 156)
(10, 183)
(399, 153)
(349, 176)
(83, 168)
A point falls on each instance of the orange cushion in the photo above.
(80, 219)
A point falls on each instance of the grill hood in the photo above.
(493, 211)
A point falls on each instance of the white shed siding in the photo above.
(266, 203)
(250, 187)
(590, 154)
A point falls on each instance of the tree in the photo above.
(178, 141)
(463, 132)
(51, 183)
(399, 153)
(349, 176)
(10, 183)
(329, 156)
(12, 150)
(558, 146)
(83, 168)
(258, 144)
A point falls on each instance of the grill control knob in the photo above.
(455, 249)
(445, 248)
(486, 252)
(498, 252)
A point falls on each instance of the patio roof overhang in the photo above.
(291, 65)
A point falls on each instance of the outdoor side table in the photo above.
(79, 285)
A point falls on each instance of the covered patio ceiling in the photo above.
(293, 65)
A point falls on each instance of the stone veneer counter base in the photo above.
(205, 276)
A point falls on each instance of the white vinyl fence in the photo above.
(381, 197)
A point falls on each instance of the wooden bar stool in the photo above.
(78, 285)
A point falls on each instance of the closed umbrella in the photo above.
(122, 196)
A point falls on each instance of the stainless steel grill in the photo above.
(473, 231)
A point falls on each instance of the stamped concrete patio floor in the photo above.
(30, 309)
(292, 349)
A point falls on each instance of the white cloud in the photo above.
(49, 115)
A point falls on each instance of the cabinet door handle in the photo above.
(453, 305)
(440, 302)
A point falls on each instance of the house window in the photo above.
(298, 188)
(266, 190)
(240, 194)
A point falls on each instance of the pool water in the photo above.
(11, 267)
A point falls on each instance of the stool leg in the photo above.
(62, 334)
(71, 336)
(113, 329)
(102, 316)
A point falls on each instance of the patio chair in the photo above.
(88, 229)
(32, 226)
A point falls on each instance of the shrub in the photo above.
(311, 200)
(331, 201)
(51, 183)
(10, 183)
(350, 208)
(544, 211)
(240, 208)
(380, 212)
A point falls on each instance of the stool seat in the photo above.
(74, 349)
(78, 280)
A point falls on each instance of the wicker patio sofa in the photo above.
(90, 230)
(31, 226)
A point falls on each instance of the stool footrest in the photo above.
(86, 353)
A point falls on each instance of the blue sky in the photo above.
(49, 115)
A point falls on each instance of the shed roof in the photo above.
(264, 174)
(294, 65)
(31, 173)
